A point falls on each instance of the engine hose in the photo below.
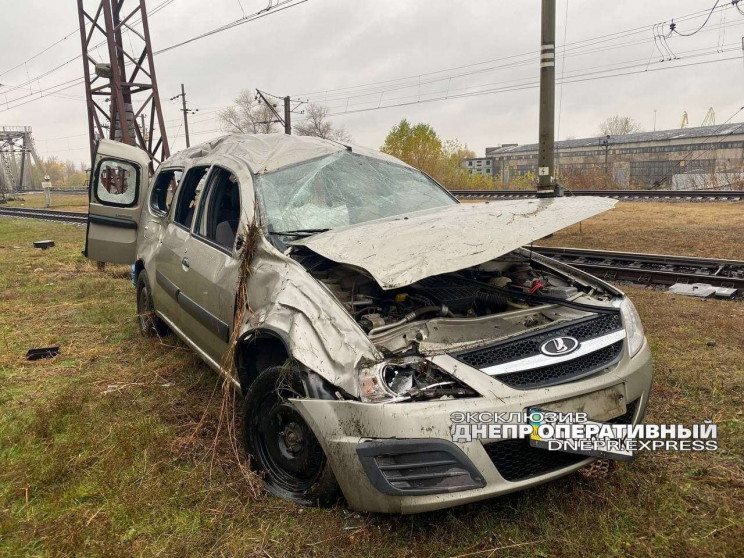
(443, 310)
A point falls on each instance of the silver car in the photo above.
(359, 307)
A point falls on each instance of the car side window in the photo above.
(188, 196)
(219, 209)
(164, 190)
(117, 183)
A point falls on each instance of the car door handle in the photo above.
(185, 263)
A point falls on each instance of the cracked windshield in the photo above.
(343, 189)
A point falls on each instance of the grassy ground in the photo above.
(60, 201)
(112, 447)
(693, 229)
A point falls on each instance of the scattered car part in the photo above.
(42, 352)
(702, 290)
(44, 244)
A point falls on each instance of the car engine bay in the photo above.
(506, 296)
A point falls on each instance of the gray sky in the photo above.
(323, 45)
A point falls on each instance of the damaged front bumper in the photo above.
(369, 445)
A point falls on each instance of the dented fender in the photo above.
(318, 331)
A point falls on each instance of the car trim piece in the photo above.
(112, 221)
(167, 285)
(425, 451)
(538, 361)
(206, 318)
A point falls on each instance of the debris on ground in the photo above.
(42, 352)
(43, 244)
(702, 290)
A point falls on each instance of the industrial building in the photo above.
(680, 158)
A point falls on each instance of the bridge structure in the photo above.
(16, 152)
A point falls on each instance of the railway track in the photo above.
(625, 195)
(45, 214)
(650, 269)
(629, 267)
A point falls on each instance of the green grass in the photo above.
(113, 448)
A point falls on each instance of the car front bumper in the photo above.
(342, 427)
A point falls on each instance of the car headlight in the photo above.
(633, 326)
(408, 379)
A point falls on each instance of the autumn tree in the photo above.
(417, 145)
(247, 115)
(619, 126)
(420, 146)
(315, 123)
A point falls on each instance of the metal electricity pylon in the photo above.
(120, 82)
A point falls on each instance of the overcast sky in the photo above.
(456, 46)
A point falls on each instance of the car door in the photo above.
(171, 251)
(118, 186)
(212, 264)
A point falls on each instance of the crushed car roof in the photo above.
(400, 250)
(268, 152)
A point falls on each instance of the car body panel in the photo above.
(401, 250)
(112, 233)
(342, 425)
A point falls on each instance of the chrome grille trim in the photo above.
(539, 361)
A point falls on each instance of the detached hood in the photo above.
(401, 250)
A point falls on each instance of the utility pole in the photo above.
(286, 121)
(287, 116)
(185, 115)
(605, 142)
(186, 112)
(546, 186)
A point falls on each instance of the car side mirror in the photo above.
(239, 242)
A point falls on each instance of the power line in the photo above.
(673, 26)
(271, 9)
(570, 47)
(372, 91)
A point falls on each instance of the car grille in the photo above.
(567, 371)
(517, 460)
(529, 345)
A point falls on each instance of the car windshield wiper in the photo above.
(299, 232)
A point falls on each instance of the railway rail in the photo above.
(650, 269)
(630, 267)
(625, 195)
(45, 214)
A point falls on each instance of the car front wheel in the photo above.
(281, 444)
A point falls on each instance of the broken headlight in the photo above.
(633, 326)
(409, 379)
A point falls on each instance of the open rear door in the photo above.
(118, 186)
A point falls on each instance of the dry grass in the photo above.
(714, 230)
(100, 454)
(60, 201)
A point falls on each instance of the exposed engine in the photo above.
(513, 283)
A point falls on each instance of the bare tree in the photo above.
(619, 126)
(316, 124)
(247, 116)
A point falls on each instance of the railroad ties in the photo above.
(625, 195)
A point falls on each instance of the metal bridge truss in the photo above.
(16, 151)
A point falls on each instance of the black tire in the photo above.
(281, 444)
(149, 324)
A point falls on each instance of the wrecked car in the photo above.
(357, 305)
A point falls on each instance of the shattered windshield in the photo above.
(343, 189)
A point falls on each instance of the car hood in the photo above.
(403, 249)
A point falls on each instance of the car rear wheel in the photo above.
(149, 324)
(281, 444)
